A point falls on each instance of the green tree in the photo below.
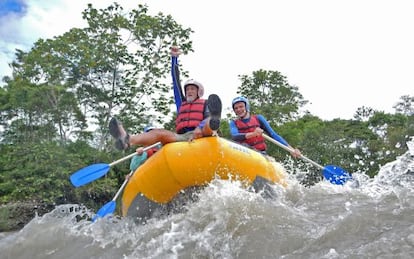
(270, 94)
(364, 113)
(55, 107)
(325, 142)
(117, 65)
(405, 105)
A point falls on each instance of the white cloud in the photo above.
(341, 54)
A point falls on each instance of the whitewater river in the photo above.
(372, 220)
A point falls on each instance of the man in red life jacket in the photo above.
(196, 117)
(247, 129)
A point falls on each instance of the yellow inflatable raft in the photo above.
(180, 166)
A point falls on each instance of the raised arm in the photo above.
(175, 74)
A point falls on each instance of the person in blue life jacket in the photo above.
(142, 155)
(196, 117)
(247, 129)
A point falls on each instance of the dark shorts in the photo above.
(185, 136)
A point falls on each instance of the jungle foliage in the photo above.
(55, 109)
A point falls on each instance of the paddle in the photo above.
(332, 173)
(109, 207)
(93, 172)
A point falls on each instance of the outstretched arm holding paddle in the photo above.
(252, 130)
(266, 129)
(332, 173)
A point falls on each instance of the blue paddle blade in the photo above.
(89, 174)
(336, 175)
(107, 209)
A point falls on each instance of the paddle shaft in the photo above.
(109, 207)
(132, 172)
(123, 186)
(131, 155)
(291, 151)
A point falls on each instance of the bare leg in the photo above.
(153, 136)
(124, 140)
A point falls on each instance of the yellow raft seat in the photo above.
(179, 166)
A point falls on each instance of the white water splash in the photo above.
(410, 145)
(322, 221)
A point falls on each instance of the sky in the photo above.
(341, 54)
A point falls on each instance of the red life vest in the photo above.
(151, 151)
(256, 142)
(190, 115)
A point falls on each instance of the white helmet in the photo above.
(195, 83)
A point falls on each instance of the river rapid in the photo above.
(371, 219)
